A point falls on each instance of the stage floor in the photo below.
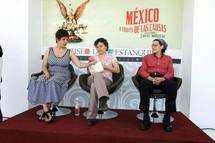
(26, 128)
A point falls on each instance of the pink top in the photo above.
(107, 60)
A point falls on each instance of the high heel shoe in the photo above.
(91, 122)
(103, 103)
(49, 117)
(42, 117)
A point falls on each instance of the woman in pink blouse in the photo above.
(157, 72)
(98, 81)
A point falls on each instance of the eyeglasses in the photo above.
(154, 45)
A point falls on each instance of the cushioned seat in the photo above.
(117, 82)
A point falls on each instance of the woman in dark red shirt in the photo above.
(157, 72)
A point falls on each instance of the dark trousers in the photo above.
(0, 116)
(168, 86)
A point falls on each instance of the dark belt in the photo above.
(156, 74)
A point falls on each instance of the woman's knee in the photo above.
(145, 83)
(98, 75)
(171, 84)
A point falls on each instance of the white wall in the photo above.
(20, 38)
(198, 96)
(187, 43)
(14, 41)
(202, 101)
(35, 36)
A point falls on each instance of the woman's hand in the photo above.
(91, 58)
(158, 80)
(108, 67)
(92, 61)
(114, 67)
(151, 79)
(47, 76)
(79, 64)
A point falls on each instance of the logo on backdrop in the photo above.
(145, 22)
(118, 52)
(129, 28)
(71, 20)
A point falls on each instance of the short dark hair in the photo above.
(61, 33)
(102, 40)
(162, 43)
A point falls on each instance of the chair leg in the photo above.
(155, 116)
(99, 114)
(154, 112)
(1, 118)
(106, 115)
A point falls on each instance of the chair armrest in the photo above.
(116, 85)
(37, 74)
(72, 80)
(83, 82)
(178, 81)
(135, 81)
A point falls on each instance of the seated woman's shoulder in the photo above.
(148, 55)
(168, 56)
(70, 50)
(48, 49)
(112, 56)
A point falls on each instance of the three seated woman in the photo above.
(48, 89)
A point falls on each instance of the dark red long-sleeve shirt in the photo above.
(151, 64)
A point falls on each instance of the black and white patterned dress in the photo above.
(42, 91)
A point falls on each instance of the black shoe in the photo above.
(103, 103)
(53, 111)
(145, 124)
(167, 125)
(91, 122)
